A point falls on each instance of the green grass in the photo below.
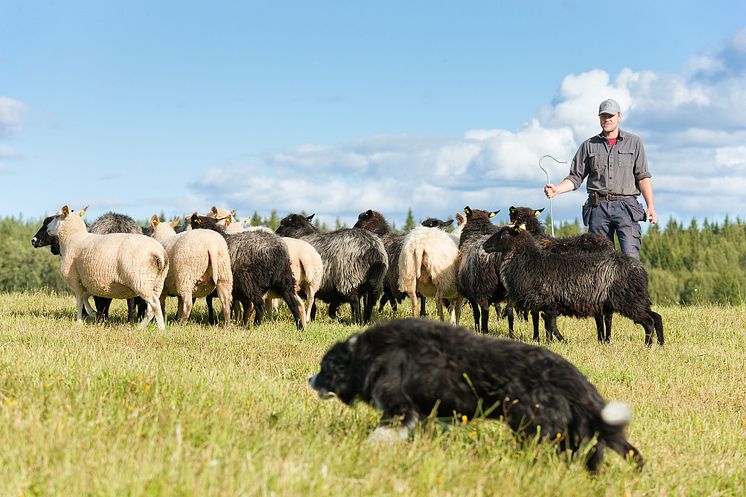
(91, 409)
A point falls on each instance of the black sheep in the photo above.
(260, 262)
(585, 242)
(412, 369)
(479, 272)
(574, 284)
(355, 264)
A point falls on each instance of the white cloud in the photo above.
(692, 124)
(11, 116)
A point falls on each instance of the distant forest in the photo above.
(687, 264)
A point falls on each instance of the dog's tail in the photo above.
(616, 414)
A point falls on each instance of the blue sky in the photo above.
(338, 107)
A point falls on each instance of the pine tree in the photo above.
(409, 224)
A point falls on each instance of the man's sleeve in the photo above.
(641, 163)
(578, 167)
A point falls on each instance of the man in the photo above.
(614, 163)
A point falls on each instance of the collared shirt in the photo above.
(614, 170)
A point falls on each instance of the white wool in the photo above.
(616, 413)
(200, 263)
(307, 268)
(428, 264)
(117, 265)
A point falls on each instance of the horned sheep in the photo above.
(117, 265)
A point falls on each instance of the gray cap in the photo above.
(609, 106)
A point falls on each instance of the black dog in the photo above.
(410, 368)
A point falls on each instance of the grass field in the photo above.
(91, 409)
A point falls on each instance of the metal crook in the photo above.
(551, 210)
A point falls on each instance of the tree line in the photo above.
(687, 265)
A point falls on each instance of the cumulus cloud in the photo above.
(692, 124)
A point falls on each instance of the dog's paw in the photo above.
(387, 435)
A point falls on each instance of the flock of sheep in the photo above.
(251, 268)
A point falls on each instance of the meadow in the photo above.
(109, 410)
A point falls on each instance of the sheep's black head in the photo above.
(205, 222)
(527, 216)
(296, 225)
(372, 221)
(43, 239)
(433, 222)
(505, 238)
(474, 214)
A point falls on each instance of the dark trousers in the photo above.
(621, 217)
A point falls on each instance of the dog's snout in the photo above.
(312, 380)
(33, 242)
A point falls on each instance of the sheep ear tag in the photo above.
(82, 211)
(154, 221)
(538, 213)
(494, 213)
(522, 227)
(512, 209)
(65, 210)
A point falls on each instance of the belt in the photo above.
(609, 196)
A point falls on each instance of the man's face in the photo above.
(609, 122)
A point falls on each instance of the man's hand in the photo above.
(651, 216)
(550, 190)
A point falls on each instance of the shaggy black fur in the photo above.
(410, 368)
(433, 222)
(108, 223)
(260, 262)
(585, 242)
(355, 264)
(573, 284)
(479, 272)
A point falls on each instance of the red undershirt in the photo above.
(611, 141)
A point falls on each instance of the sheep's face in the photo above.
(295, 225)
(372, 221)
(473, 214)
(504, 240)
(42, 238)
(520, 215)
(432, 222)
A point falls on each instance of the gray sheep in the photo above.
(355, 264)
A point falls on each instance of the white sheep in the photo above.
(117, 265)
(227, 219)
(308, 271)
(428, 264)
(199, 263)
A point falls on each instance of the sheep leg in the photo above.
(658, 325)
(439, 305)
(599, 326)
(102, 308)
(458, 303)
(370, 302)
(210, 310)
(131, 310)
(224, 294)
(355, 306)
(475, 312)
(79, 307)
(485, 319)
(179, 308)
(511, 319)
(186, 309)
(607, 321)
(313, 311)
(413, 297)
(310, 297)
(88, 308)
(301, 310)
(423, 308)
(550, 320)
(259, 309)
